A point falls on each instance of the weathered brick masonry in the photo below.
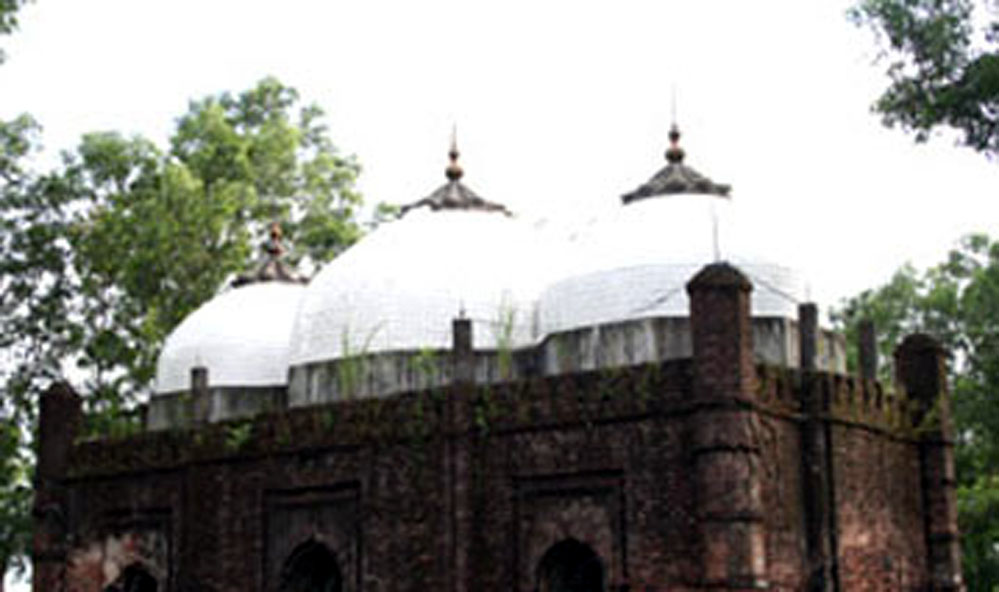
(707, 473)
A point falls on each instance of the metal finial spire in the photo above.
(272, 268)
(672, 107)
(274, 246)
(714, 233)
(676, 177)
(674, 154)
(454, 195)
(453, 171)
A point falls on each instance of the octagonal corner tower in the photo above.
(378, 318)
(229, 358)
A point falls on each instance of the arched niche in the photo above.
(570, 566)
(311, 567)
(134, 578)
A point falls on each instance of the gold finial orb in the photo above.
(453, 170)
(274, 247)
(674, 154)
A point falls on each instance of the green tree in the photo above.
(8, 18)
(17, 139)
(268, 160)
(15, 501)
(150, 236)
(943, 68)
(102, 257)
(957, 301)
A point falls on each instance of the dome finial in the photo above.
(274, 247)
(272, 268)
(453, 171)
(454, 195)
(674, 154)
(676, 177)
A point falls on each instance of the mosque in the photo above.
(466, 401)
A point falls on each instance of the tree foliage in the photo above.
(8, 18)
(103, 256)
(943, 67)
(957, 301)
(8, 14)
(16, 139)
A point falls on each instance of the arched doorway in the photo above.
(133, 578)
(570, 566)
(311, 567)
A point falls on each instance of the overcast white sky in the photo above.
(561, 106)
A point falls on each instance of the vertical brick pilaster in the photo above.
(808, 334)
(867, 348)
(462, 391)
(462, 351)
(816, 474)
(726, 452)
(457, 451)
(721, 333)
(921, 366)
(59, 421)
(201, 402)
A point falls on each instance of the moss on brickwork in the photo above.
(582, 398)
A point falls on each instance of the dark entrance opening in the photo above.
(311, 567)
(570, 566)
(133, 578)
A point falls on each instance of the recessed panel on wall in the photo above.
(125, 551)
(312, 538)
(569, 531)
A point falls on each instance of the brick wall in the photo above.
(467, 491)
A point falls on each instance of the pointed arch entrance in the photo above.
(570, 566)
(311, 567)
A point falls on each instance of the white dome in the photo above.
(241, 336)
(400, 287)
(636, 264)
